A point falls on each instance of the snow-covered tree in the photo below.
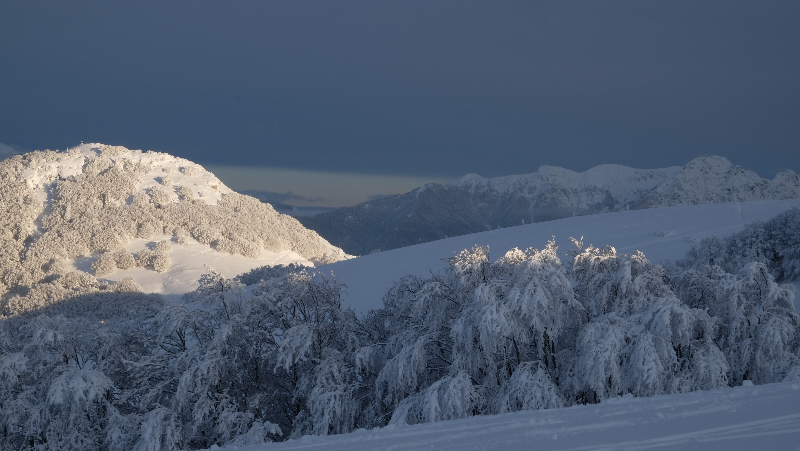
(757, 326)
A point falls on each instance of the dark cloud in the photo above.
(408, 87)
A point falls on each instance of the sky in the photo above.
(418, 91)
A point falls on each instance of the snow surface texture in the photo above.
(750, 417)
(475, 204)
(117, 213)
(660, 233)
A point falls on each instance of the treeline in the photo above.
(272, 355)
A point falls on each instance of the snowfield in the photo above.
(189, 262)
(764, 417)
(660, 233)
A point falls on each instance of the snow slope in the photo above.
(661, 233)
(189, 262)
(764, 417)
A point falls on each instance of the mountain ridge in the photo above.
(474, 203)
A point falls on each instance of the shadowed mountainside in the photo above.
(474, 204)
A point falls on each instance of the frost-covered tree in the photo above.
(526, 312)
(256, 367)
(62, 371)
(640, 338)
(484, 323)
(756, 323)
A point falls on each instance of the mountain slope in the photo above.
(474, 204)
(84, 208)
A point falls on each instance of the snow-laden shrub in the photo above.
(124, 259)
(185, 193)
(162, 262)
(529, 388)
(127, 285)
(267, 273)
(145, 258)
(448, 398)
(105, 264)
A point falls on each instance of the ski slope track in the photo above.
(764, 417)
(660, 233)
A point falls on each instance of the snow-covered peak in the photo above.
(470, 181)
(113, 212)
(154, 170)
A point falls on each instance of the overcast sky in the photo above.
(432, 89)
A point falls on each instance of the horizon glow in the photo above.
(318, 188)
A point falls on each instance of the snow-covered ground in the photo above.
(189, 262)
(660, 233)
(765, 417)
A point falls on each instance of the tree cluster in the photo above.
(271, 354)
(774, 243)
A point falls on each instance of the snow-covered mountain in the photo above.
(116, 213)
(474, 204)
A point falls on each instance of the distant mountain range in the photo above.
(474, 204)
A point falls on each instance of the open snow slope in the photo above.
(189, 262)
(764, 417)
(660, 233)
